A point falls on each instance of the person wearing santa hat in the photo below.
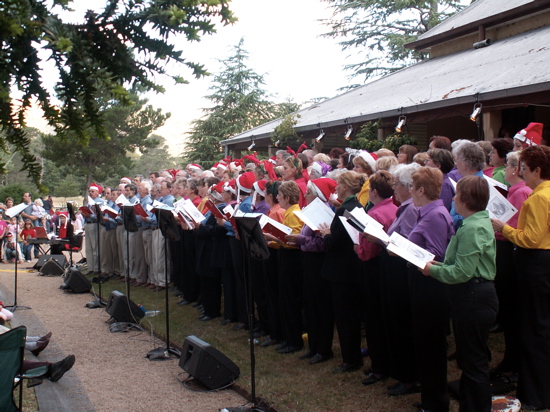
(91, 231)
(365, 163)
(318, 314)
(530, 136)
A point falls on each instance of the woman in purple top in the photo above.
(318, 314)
(443, 160)
(394, 286)
(368, 250)
(506, 280)
(429, 297)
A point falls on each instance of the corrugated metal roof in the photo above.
(514, 66)
(479, 10)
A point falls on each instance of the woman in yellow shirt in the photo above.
(290, 273)
(532, 259)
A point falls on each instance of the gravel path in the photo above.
(111, 366)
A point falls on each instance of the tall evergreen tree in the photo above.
(377, 30)
(239, 103)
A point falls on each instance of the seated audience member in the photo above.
(12, 250)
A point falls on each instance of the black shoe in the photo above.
(404, 389)
(281, 345)
(226, 322)
(184, 302)
(260, 333)
(269, 342)
(240, 326)
(497, 327)
(290, 349)
(309, 354)
(196, 304)
(40, 346)
(205, 318)
(318, 358)
(348, 367)
(58, 369)
(373, 378)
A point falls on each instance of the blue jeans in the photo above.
(27, 251)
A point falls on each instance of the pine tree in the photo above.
(239, 103)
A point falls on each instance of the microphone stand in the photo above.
(253, 246)
(168, 227)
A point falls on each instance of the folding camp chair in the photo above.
(12, 347)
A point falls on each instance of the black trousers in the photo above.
(396, 313)
(474, 307)
(533, 267)
(238, 280)
(291, 295)
(346, 301)
(318, 314)
(190, 281)
(211, 293)
(430, 322)
(372, 316)
(271, 282)
(257, 283)
(507, 286)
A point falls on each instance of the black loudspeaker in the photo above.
(61, 259)
(52, 268)
(207, 364)
(122, 309)
(77, 282)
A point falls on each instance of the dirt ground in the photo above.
(112, 367)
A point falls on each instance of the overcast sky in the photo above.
(283, 41)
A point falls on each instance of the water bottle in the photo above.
(150, 313)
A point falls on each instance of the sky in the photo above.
(284, 44)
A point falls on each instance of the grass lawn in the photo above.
(289, 384)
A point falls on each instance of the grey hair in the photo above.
(284, 154)
(471, 154)
(404, 173)
(513, 158)
(147, 184)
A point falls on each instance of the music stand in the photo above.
(130, 225)
(253, 246)
(169, 229)
(99, 217)
(16, 212)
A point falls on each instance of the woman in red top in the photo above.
(27, 233)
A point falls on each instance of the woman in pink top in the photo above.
(506, 280)
(368, 250)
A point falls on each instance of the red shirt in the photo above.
(27, 234)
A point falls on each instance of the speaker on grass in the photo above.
(77, 282)
(61, 259)
(207, 364)
(123, 309)
(52, 268)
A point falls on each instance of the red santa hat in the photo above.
(259, 187)
(531, 135)
(273, 159)
(125, 180)
(194, 166)
(370, 158)
(245, 182)
(216, 190)
(95, 186)
(230, 187)
(323, 186)
(252, 158)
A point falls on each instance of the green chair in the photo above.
(12, 347)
